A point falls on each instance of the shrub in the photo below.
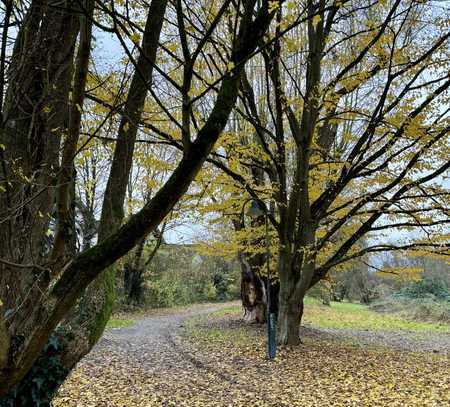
(178, 275)
(426, 287)
(428, 308)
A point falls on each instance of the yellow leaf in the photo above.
(316, 20)
(273, 5)
(135, 37)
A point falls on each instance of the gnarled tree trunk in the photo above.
(253, 290)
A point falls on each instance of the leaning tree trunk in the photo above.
(29, 333)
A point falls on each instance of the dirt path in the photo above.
(143, 364)
(149, 342)
(148, 365)
(412, 341)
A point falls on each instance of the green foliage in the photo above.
(178, 275)
(425, 300)
(425, 288)
(43, 380)
(417, 309)
(167, 292)
(355, 284)
(321, 292)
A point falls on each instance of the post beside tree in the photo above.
(256, 210)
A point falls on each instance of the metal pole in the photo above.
(271, 323)
(271, 317)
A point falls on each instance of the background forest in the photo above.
(180, 275)
(165, 152)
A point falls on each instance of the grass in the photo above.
(115, 323)
(233, 309)
(353, 316)
(357, 316)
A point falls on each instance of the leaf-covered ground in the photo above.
(205, 356)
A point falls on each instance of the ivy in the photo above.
(42, 382)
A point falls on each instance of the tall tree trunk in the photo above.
(35, 117)
(298, 239)
(85, 324)
(134, 286)
(295, 272)
(289, 318)
(97, 303)
(291, 299)
(134, 289)
(289, 311)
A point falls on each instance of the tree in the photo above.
(351, 134)
(43, 108)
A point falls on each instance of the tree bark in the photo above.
(4, 340)
(297, 258)
(86, 322)
(55, 300)
(35, 115)
(289, 310)
(295, 272)
(253, 293)
(134, 269)
(289, 319)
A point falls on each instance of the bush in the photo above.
(166, 294)
(178, 275)
(426, 287)
(428, 308)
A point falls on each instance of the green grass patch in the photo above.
(231, 310)
(115, 323)
(357, 316)
(351, 316)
